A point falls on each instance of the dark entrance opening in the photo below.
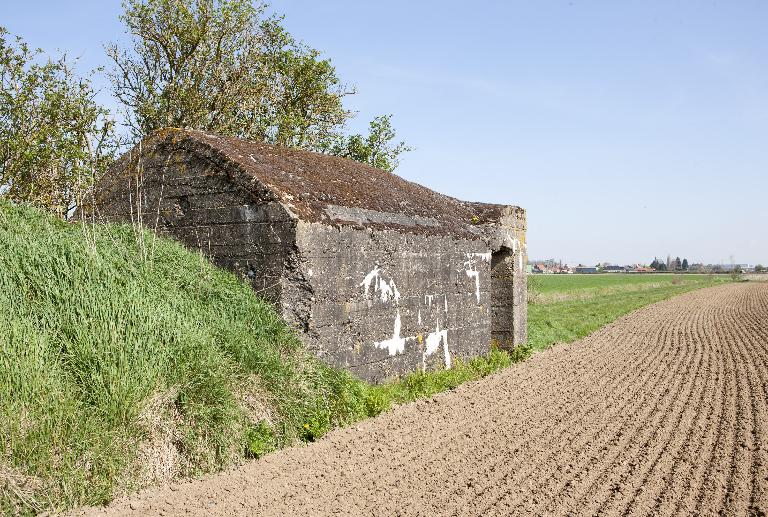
(502, 296)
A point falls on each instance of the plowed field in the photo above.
(664, 411)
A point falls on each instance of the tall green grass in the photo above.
(127, 360)
(546, 289)
(570, 307)
(620, 281)
(102, 343)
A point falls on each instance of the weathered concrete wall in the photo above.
(508, 240)
(193, 201)
(386, 303)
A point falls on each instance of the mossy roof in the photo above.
(317, 187)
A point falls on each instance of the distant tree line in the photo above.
(223, 66)
(670, 265)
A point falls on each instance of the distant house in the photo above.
(549, 267)
(614, 269)
(724, 268)
(745, 268)
(584, 270)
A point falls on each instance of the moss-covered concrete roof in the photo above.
(322, 188)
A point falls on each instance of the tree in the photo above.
(376, 149)
(224, 66)
(55, 140)
(658, 265)
(759, 268)
(677, 264)
(685, 264)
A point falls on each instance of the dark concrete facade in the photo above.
(381, 276)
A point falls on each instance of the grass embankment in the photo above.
(126, 360)
(564, 308)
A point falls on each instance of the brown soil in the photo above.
(664, 411)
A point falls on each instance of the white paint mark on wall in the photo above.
(370, 278)
(396, 344)
(485, 257)
(428, 299)
(446, 303)
(432, 343)
(387, 289)
(472, 272)
(509, 237)
(476, 275)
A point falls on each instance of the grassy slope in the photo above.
(584, 303)
(101, 346)
(123, 364)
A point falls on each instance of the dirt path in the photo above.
(664, 411)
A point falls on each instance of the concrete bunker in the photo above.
(380, 275)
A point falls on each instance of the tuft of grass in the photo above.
(425, 384)
(260, 440)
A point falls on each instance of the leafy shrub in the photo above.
(260, 439)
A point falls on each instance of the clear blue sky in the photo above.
(627, 129)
